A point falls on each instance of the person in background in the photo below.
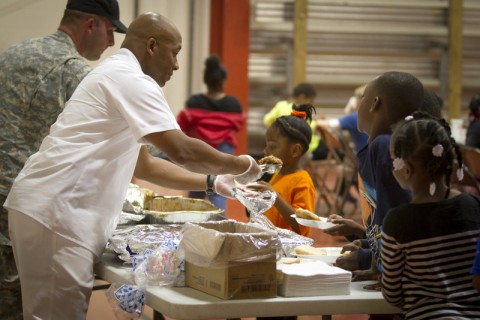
(348, 122)
(213, 117)
(38, 76)
(432, 104)
(354, 101)
(476, 268)
(287, 139)
(428, 245)
(303, 93)
(473, 129)
(65, 203)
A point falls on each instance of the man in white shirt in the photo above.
(64, 204)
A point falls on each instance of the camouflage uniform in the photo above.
(38, 76)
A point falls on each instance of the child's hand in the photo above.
(344, 227)
(260, 186)
(368, 275)
(365, 275)
(349, 261)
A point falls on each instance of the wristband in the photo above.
(210, 181)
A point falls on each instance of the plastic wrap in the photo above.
(224, 243)
(137, 198)
(290, 240)
(134, 240)
(133, 206)
(130, 219)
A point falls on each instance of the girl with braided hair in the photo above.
(288, 139)
(429, 245)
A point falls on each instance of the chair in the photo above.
(334, 176)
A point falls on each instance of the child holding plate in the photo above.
(288, 139)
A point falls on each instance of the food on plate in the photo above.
(290, 260)
(305, 214)
(270, 160)
(309, 250)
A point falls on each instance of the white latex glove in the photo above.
(223, 185)
(253, 173)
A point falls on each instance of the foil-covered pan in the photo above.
(177, 210)
(134, 240)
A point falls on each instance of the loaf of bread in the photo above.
(305, 214)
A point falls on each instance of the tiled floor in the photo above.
(101, 310)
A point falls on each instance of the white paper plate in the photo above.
(322, 224)
(332, 254)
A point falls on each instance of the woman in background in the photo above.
(213, 117)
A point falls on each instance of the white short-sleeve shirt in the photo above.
(76, 183)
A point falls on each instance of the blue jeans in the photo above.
(218, 200)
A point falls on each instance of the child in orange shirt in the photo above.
(288, 139)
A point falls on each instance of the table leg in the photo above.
(157, 315)
(326, 317)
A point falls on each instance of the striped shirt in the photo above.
(427, 253)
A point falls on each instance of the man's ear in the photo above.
(89, 24)
(151, 43)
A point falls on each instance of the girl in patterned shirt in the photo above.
(428, 245)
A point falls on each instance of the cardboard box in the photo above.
(243, 281)
(230, 259)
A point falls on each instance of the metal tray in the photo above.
(168, 210)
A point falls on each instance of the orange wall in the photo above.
(229, 38)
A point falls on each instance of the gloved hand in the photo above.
(253, 173)
(224, 184)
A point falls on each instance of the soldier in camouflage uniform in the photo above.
(38, 76)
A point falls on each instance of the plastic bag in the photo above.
(127, 301)
(159, 267)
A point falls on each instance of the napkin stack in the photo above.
(315, 278)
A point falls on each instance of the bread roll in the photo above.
(309, 250)
(270, 160)
(305, 214)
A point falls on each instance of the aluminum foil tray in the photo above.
(178, 210)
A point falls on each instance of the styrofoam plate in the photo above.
(322, 224)
(332, 253)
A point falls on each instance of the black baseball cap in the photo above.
(105, 8)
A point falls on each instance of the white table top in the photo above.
(188, 303)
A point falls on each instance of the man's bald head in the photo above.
(155, 41)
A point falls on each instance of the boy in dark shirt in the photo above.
(386, 100)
